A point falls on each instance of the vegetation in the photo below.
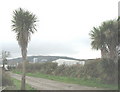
(5, 54)
(23, 25)
(17, 84)
(100, 72)
(11, 83)
(105, 72)
(105, 38)
(6, 79)
(80, 81)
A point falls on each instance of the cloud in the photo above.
(61, 30)
(67, 48)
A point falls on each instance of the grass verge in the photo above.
(84, 82)
(17, 85)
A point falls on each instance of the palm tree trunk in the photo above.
(24, 56)
(113, 52)
(104, 52)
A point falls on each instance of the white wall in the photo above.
(35, 60)
(68, 62)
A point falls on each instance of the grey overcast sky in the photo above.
(63, 27)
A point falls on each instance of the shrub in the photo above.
(91, 69)
(47, 67)
(59, 70)
(102, 69)
(109, 71)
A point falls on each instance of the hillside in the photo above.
(41, 59)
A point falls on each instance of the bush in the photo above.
(91, 69)
(109, 71)
(59, 70)
(101, 69)
(47, 67)
(105, 70)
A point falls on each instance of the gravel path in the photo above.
(45, 84)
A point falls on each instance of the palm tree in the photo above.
(105, 38)
(98, 41)
(23, 24)
(111, 33)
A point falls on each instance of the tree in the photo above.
(5, 54)
(23, 24)
(110, 30)
(105, 38)
(98, 41)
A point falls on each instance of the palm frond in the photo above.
(24, 24)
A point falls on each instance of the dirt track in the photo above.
(45, 84)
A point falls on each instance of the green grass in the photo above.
(17, 85)
(91, 83)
